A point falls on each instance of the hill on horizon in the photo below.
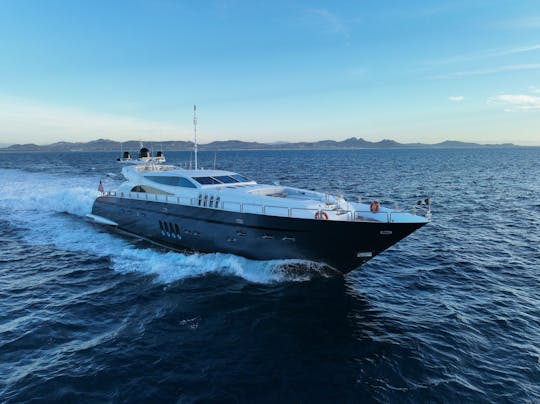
(174, 145)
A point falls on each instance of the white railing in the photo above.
(271, 210)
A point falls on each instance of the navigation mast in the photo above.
(195, 133)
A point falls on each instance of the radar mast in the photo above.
(195, 133)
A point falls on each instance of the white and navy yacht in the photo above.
(223, 211)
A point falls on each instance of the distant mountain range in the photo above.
(102, 145)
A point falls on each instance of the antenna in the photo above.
(195, 133)
(215, 160)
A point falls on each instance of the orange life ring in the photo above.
(321, 214)
(374, 206)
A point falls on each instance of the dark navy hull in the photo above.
(341, 244)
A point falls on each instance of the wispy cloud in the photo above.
(516, 102)
(429, 9)
(485, 54)
(29, 121)
(456, 98)
(521, 23)
(493, 70)
(328, 21)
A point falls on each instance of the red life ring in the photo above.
(374, 206)
(321, 214)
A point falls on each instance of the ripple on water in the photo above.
(451, 313)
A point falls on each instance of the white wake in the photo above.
(37, 204)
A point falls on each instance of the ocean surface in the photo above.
(450, 314)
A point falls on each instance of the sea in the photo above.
(449, 314)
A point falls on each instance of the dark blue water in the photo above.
(452, 313)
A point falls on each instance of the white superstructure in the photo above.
(230, 191)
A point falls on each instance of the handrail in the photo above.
(283, 211)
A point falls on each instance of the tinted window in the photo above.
(152, 190)
(174, 181)
(163, 180)
(226, 179)
(184, 182)
(206, 180)
(240, 178)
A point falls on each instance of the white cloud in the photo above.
(29, 121)
(456, 98)
(516, 102)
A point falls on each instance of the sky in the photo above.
(269, 71)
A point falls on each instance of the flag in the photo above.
(426, 201)
(100, 187)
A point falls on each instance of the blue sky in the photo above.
(270, 70)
